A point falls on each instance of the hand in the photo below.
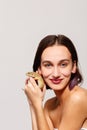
(34, 94)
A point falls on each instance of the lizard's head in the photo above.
(30, 74)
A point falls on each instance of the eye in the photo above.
(48, 65)
(63, 65)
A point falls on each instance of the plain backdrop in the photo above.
(23, 23)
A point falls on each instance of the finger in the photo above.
(27, 90)
(44, 88)
(30, 85)
(33, 82)
(36, 71)
(43, 91)
(26, 82)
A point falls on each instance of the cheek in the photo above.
(46, 72)
(66, 72)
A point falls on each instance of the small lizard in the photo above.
(37, 77)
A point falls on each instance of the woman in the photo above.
(56, 61)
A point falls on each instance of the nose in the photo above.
(56, 72)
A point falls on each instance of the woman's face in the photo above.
(56, 66)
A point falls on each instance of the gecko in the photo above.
(37, 77)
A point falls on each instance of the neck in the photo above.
(63, 94)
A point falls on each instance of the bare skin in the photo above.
(68, 109)
(59, 114)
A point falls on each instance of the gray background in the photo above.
(23, 23)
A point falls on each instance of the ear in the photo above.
(39, 70)
(74, 67)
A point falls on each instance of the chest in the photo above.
(56, 116)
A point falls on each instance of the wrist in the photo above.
(38, 106)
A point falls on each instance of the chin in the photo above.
(58, 87)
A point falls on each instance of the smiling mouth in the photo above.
(56, 81)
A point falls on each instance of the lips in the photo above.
(56, 81)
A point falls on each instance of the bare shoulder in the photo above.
(78, 99)
(79, 95)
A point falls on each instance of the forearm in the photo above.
(35, 96)
(33, 119)
(38, 118)
(41, 119)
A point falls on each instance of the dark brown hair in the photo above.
(51, 40)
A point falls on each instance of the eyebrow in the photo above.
(48, 61)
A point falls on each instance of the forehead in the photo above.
(56, 52)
